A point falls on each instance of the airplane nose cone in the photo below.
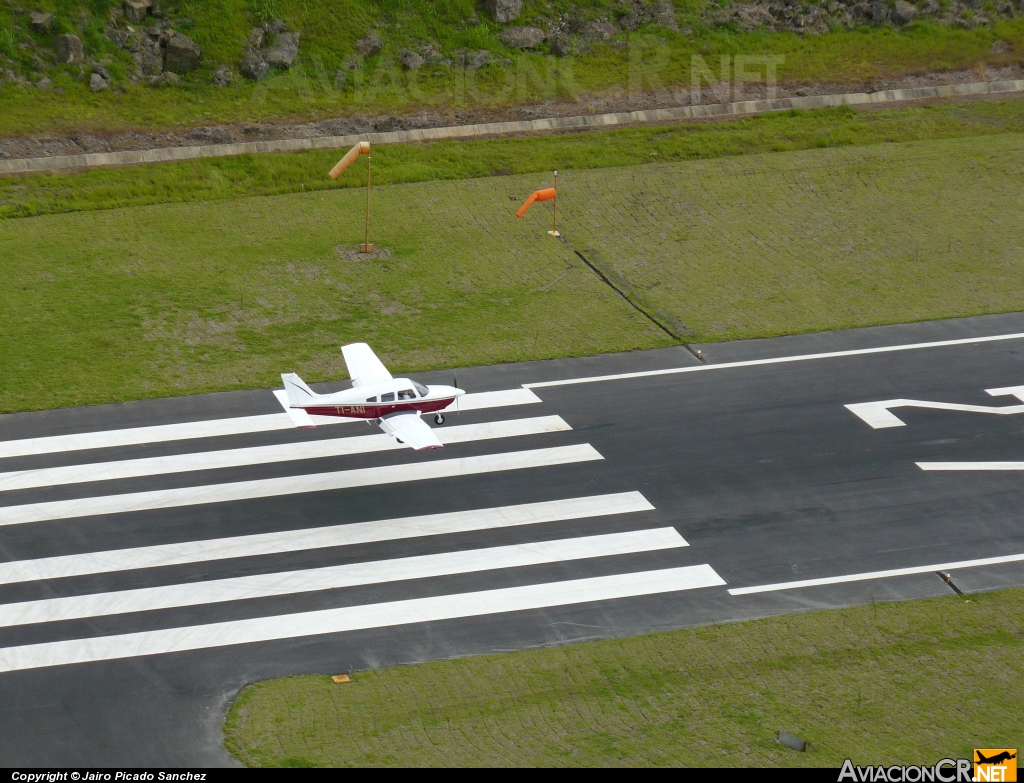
(459, 393)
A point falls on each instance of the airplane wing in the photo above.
(363, 365)
(411, 430)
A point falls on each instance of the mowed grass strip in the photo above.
(824, 239)
(273, 174)
(183, 298)
(180, 298)
(902, 683)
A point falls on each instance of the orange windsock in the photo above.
(362, 148)
(538, 195)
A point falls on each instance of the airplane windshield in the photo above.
(423, 390)
(406, 394)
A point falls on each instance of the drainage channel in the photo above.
(607, 281)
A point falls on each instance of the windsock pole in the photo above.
(362, 148)
(554, 211)
(366, 247)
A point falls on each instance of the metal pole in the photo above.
(367, 247)
(554, 210)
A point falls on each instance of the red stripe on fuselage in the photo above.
(376, 410)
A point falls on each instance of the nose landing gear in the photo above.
(438, 419)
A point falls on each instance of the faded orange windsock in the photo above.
(538, 195)
(362, 148)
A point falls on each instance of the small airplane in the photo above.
(395, 404)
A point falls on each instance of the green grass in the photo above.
(904, 683)
(254, 175)
(180, 298)
(329, 29)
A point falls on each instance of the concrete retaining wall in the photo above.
(740, 108)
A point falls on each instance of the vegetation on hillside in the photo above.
(332, 78)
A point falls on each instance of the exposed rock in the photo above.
(223, 76)
(431, 55)
(599, 31)
(283, 51)
(369, 45)
(97, 83)
(275, 26)
(181, 54)
(149, 61)
(117, 37)
(69, 49)
(632, 20)
(522, 37)
(166, 79)
(44, 83)
(479, 60)
(903, 12)
(879, 11)
(40, 22)
(253, 66)
(1000, 47)
(256, 38)
(135, 10)
(410, 60)
(101, 70)
(664, 14)
(560, 47)
(504, 11)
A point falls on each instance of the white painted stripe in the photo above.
(878, 415)
(351, 618)
(259, 544)
(295, 485)
(261, 455)
(777, 360)
(971, 465)
(834, 580)
(218, 427)
(334, 577)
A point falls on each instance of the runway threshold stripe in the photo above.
(258, 544)
(353, 618)
(971, 465)
(834, 580)
(777, 360)
(241, 425)
(261, 455)
(295, 485)
(333, 577)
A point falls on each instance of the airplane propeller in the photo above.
(455, 383)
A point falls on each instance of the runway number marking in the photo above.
(879, 414)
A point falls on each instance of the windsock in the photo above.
(538, 195)
(362, 148)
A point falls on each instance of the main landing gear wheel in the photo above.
(439, 419)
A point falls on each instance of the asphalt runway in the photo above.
(159, 555)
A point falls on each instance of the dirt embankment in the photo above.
(78, 143)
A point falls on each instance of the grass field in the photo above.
(255, 175)
(905, 683)
(187, 297)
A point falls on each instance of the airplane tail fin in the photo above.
(298, 392)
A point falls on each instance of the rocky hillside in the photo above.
(112, 44)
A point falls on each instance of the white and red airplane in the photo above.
(395, 404)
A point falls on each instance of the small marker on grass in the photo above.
(792, 742)
(341, 678)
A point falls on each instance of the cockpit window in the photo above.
(406, 394)
(371, 399)
(423, 390)
(389, 397)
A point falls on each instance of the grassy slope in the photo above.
(330, 27)
(885, 684)
(253, 175)
(186, 297)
